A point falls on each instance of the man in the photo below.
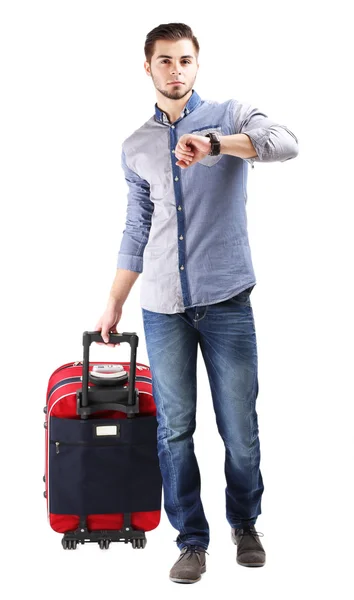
(187, 226)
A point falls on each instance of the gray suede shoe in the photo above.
(190, 565)
(250, 552)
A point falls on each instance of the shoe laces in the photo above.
(248, 530)
(190, 550)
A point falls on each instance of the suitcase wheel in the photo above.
(104, 544)
(138, 543)
(69, 544)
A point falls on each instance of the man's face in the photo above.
(173, 61)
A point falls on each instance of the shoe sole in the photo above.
(246, 564)
(250, 564)
(178, 580)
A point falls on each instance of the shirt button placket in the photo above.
(173, 141)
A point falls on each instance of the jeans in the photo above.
(227, 337)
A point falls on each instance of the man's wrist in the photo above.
(114, 301)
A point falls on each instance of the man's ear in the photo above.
(147, 68)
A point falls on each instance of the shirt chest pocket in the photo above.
(209, 161)
(160, 188)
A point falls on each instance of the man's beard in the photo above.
(174, 94)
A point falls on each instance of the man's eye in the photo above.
(185, 60)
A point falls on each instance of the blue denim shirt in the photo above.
(186, 229)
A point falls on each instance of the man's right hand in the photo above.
(108, 322)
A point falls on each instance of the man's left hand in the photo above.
(190, 149)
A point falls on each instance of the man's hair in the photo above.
(168, 31)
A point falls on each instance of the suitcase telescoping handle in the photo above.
(84, 406)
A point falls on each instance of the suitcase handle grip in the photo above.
(114, 338)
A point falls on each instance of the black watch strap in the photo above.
(215, 143)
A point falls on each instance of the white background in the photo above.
(73, 88)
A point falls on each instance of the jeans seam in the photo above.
(205, 314)
(173, 477)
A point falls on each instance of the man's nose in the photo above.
(175, 70)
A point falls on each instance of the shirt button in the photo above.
(180, 207)
(181, 237)
(182, 268)
(176, 178)
(172, 126)
(173, 151)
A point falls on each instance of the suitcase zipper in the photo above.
(80, 362)
(84, 443)
(63, 383)
(68, 380)
(80, 443)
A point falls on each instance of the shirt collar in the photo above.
(192, 103)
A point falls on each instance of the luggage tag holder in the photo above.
(94, 399)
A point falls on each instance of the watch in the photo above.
(215, 143)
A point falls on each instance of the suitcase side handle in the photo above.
(114, 338)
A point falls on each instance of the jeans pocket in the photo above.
(243, 298)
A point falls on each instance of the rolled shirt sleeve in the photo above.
(138, 220)
(271, 141)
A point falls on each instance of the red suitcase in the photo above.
(102, 476)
